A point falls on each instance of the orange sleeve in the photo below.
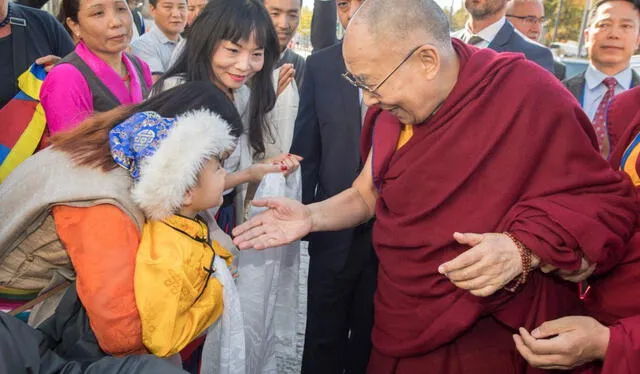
(102, 242)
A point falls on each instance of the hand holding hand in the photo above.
(287, 162)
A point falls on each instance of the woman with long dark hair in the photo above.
(233, 44)
(74, 197)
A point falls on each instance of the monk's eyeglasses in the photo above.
(354, 81)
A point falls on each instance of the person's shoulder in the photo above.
(145, 41)
(628, 98)
(528, 44)
(329, 53)
(576, 79)
(295, 55)
(33, 13)
(63, 77)
(38, 18)
(64, 74)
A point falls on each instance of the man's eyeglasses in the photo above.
(531, 20)
(354, 81)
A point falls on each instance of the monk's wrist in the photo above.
(602, 341)
(528, 262)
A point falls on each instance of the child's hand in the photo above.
(288, 162)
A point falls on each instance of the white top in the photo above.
(487, 34)
(594, 89)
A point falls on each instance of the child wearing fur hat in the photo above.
(176, 167)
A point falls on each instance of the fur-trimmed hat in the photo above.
(165, 155)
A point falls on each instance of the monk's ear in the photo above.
(429, 58)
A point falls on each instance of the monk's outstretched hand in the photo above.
(283, 222)
(564, 343)
(491, 263)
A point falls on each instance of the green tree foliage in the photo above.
(570, 19)
(458, 20)
(305, 21)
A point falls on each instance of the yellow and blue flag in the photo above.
(629, 161)
(23, 122)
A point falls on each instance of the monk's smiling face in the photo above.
(410, 93)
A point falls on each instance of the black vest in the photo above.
(103, 99)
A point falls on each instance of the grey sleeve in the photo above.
(145, 50)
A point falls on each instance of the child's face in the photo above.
(208, 192)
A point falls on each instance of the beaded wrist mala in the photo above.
(525, 257)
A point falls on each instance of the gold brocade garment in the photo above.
(176, 294)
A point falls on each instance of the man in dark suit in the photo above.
(488, 28)
(527, 16)
(343, 266)
(611, 38)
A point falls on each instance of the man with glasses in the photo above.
(480, 169)
(343, 265)
(527, 16)
(487, 27)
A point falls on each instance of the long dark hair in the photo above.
(232, 20)
(88, 144)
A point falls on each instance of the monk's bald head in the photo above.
(399, 53)
(397, 22)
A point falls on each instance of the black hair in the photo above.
(68, 9)
(88, 143)
(232, 20)
(594, 9)
(62, 18)
(191, 96)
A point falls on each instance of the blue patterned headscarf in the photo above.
(137, 138)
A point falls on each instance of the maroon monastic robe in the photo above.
(509, 150)
(614, 298)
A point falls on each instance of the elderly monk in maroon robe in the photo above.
(612, 298)
(479, 168)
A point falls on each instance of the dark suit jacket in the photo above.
(327, 135)
(559, 70)
(508, 40)
(34, 34)
(576, 84)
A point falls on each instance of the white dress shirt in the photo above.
(487, 34)
(594, 89)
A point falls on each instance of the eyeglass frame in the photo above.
(352, 79)
(530, 19)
